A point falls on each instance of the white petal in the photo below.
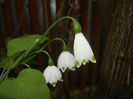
(66, 60)
(46, 74)
(52, 74)
(57, 73)
(82, 49)
(70, 61)
(61, 62)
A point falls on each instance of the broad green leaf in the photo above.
(21, 44)
(30, 84)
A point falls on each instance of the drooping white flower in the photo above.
(52, 74)
(82, 50)
(66, 60)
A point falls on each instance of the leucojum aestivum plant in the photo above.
(32, 83)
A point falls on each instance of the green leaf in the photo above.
(30, 84)
(21, 44)
(6, 62)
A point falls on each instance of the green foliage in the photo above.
(19, 48)
(30, 84)
(6, 62)
(22, 43)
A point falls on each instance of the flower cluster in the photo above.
(19, 53)
(82, 54)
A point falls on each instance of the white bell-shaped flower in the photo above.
(52, 74)
(66, 60)
(82, 50)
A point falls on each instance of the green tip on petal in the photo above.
(73, 68)
(63, 69)
(93, 59)
(61, 80)
(54, 84)
(84, 62)
(77, 64)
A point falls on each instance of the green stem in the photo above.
(4, 75)
(32, 55)
(32, 47)
(26, 65)
(1, 76)
(29, 58)
(56, 39)
(57, 21)
(18, 61)
(25, 54)
(50, 62)
(59, 39)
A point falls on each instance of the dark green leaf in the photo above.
(30, 84)
(21, 44)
